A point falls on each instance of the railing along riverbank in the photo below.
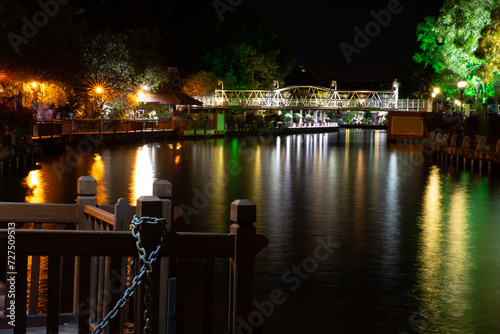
(95, 243)
(448, 149)
(115, 129)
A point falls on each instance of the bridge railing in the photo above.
(414, 105)
(296, 97)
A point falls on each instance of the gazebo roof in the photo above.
(171, 97)
(170, 93)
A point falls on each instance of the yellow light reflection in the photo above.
(430, 251)
(36, 187)
(459, 265)
(376, 152)
(97, 171)
(142, 175)
(431, 219)
(257, 189)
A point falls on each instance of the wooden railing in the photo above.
(69, 126)
(102, 246)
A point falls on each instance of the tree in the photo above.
(489, 48)
(449, 42)
(199, 84)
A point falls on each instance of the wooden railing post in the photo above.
(149, 206)
(116, 283)
(163, 190)
(87, 189)
(243, 214)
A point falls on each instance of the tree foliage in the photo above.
(199, 84)
(462, 42)
(489, 48)
(122, 45)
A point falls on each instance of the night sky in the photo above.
(316, 28)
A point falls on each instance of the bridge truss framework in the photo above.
(312, 98)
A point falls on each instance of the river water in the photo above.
(365, 236)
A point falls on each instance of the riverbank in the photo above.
(53, 138)
(470, 154)
(18, 157)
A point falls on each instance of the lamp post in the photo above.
(434, 94)
(461, 86)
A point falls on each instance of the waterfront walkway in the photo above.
(446, 149)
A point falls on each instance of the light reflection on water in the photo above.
(419, 243)
(35, 187)
(143, 174)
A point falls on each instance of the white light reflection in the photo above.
(142, 175)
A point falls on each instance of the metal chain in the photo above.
(146, 269)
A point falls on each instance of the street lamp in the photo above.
(98, 90)
(434, 94)
(461, 86)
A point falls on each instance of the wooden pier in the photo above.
(471, 155)
(18, 157)
(94, 241)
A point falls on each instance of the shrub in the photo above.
(297, 117)
(18, 121)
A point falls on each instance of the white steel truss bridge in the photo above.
(311, 98)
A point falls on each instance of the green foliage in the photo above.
(297, 117)
(288, 117)
(350, 116)
(309, 118)
(119, 108)
(246, 51)
(489, 48)
(367, 117)
(461, 43)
